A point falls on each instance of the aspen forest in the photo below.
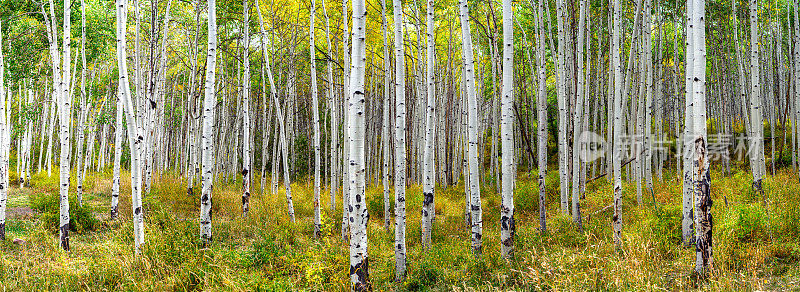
(399, 145)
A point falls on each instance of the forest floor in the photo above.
(756, 241)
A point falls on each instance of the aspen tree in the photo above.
(334, 149)
(83, 109)
(209, 109)
(429, 166)
(507, 224)
(400, 144)
(577, 131)
(617, 151)
(4, 145)
(386, 144)
(359, 257)
(701, 165)
(117, 157)
(756, 140)
(541, 116)
(315, 109)
(472, 130)
(687, 155)
(135, 139)
(279, 114)
(247, 152)
(64, 108)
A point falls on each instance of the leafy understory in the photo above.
(756, 243)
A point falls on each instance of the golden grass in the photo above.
(266, 251)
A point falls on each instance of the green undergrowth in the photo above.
(756, 240)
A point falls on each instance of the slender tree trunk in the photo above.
(385, 134)
(472, 130)
(400, 145)
(617, 151)
(359, 257)
(247, 152)
(315, 109)
(65, 105)
(576, 133)
(334, 167)
(279, 114)
(701, 174)
(757, 138)
(541, 116)
(507, 224)
(209, 109)
(4, 145)
(117, 158)
(429, 165)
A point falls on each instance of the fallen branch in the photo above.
(589, 217)
(606, 173)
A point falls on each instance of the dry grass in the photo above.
(756, 244)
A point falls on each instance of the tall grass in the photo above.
(755, 241)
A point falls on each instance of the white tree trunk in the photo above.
(359, 257)
(578, 122)
(701, 174)
(135, 139)
(541, 116)
(64, 108)
(756, 140)
(332, 104)
(209, 110)
(429, 163)
(507, 224)
(4, 145)
(472, 130)
(117, 157)
(617, 151)
(279, 114)
(386, 144)
(315, 109)
(247, 152)
(400, 145)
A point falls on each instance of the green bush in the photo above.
(425, 277)
(564, 232)
(81, 218)
(664, 226)
(747, 223)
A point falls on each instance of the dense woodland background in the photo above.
(451, 174)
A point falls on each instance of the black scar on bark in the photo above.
(137, 211)
(3, 231)
(204, 198)
(244, 172)
(245, 198)
(64, 230)
(114, 212)
(428, 199)
(505, 222)
(475, 208)
(361, 270)
(189, 191)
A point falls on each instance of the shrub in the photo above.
(746, 223)
(81, 218)
(664, 226)
(564, 232)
